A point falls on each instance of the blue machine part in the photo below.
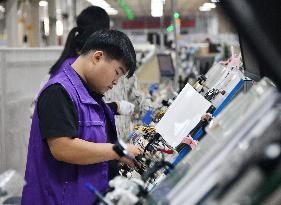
(134, 137)
(152, 88)
(146, 120)
(131, 134)
(94, 190)
(200, 132)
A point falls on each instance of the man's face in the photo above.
(104, 73)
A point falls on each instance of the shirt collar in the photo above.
(90, 91)
(83, 93)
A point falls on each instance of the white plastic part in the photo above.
(182, 116)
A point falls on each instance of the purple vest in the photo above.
(65, 63)
(51, 182)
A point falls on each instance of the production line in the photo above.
(197, 121)
(164, 171)
(222, 159)
(226, 148)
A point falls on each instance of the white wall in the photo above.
(21, 71)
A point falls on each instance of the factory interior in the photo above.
(190, 113)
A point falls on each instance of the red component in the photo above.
(166, 151)
(143, 23)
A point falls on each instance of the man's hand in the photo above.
(190, 141)
(133, 151)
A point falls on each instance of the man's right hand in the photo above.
(133, 151)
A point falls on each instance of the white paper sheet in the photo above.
(182, 116)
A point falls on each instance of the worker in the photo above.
(213, 48)
(73, 131)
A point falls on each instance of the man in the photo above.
(73, 130)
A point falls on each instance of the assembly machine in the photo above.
(238, 157)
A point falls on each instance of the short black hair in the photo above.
(115, 44)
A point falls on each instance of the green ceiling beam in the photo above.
(126, 9)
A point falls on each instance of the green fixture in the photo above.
(170, 28)
(127, 9)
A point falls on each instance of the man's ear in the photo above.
(96, 56)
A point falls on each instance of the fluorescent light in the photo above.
(112, 11)
(2, 9)
(103, 4)
(207, 7)
(156, 8)
(202, 8)
(58, 11)
(46, 26)
(43, 3)
(215, 1)
(157, 13)
(59, 28)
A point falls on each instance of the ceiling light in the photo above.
(157, 13)
(46, 26)
(59, 28)
(202, 8)
(156, 8)
(103, 4)
(209, 5)
(2, 9)
(215, 1)
(111, 11)
(43, 3)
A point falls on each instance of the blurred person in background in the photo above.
(213, 47)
